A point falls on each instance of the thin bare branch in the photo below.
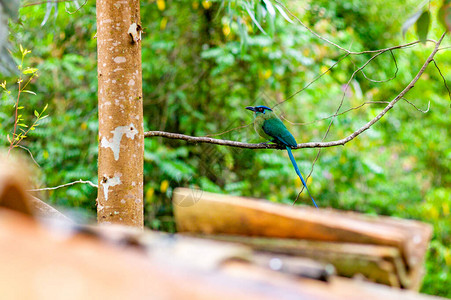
(227, 131)
(78, 9)
(386, 80)
(345, 90)
(344, 49)
(31, 154)
(46, 1)
(308, 176)
(420, 110)
(346, 86)
(65, 185)
(408, 45)
(311, 31)
(342, 113)
(340, 142)
(315, 79)
(443, 77)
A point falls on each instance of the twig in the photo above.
(335, 115)
(308, 176)
(347, 84)
(31, 154)
(229, 130)
(340, 142)
(386, 80)
(78, 9)
(47, 1)
(315, 79)
(443, 77)
(311, 31)
(65, 185)
(341, 48)
(345, 90)
(420, 110)
(342, 113)
(15, 118)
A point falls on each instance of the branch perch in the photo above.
(340, 142)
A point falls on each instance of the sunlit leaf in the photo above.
(410, 21)
(422, 26)
(29, 92)
(30, 70)
(283, 13)
(269, 7)
(252, 15)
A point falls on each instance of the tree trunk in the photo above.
(121, 138)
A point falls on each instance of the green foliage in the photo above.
(20, 129)
(422, 19)
(444, 15)
(422, 26)
(8, 10)
(204, 61)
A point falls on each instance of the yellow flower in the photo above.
(226, 29)
(265, 74)
(149, 194)
(324, 69)
(161, 5)
(448, 257)
(164, 186)
(163, 23)
(445, 207)
(206, 4)
(297, 182)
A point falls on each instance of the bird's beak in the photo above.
(251, 108)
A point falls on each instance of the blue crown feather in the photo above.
(265, 107)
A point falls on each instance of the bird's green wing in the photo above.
(275, 128)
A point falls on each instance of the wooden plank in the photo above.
(380, 264)
(46, 211)
(221, 214)
(337, 288)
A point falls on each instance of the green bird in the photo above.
(270, 127)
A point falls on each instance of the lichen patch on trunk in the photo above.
(115, 142)
(109, 182)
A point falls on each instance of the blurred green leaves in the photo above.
(204, 61)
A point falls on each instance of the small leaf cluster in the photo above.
(422, 20)
(20, 129)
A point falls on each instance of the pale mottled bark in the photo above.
(121, 138)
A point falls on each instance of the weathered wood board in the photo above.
(216, 214)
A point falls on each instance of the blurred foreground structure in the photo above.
(227, 248)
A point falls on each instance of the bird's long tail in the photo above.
(296, 168)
